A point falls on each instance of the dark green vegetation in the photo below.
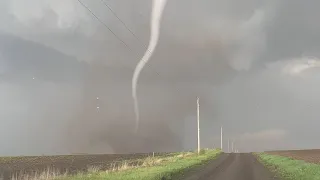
(153, 169)
(290, 169)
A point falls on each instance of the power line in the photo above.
(105, 25)
(113, 31)
(123, 23)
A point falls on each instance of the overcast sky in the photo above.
(253, 63)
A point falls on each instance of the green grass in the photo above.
(290, 169)
(169, 168)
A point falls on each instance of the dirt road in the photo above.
(231, 167)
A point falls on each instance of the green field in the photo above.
(152, 168)
(290, 169)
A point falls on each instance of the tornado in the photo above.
(156, 14)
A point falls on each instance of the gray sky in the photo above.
(247, 60)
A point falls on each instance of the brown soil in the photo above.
(312, 155)
(65, 163)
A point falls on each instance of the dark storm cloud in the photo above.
(294, 31)
(27, 59)
(210, 49)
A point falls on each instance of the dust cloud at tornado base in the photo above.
(228, 53)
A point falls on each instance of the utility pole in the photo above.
(232, 146)
(228, 145)
(198, 119)
(221, 143)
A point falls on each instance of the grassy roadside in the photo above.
(290, 169)
(165, 168)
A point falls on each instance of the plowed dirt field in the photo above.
(66, 163)
(312, 155)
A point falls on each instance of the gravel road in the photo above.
(235, 166)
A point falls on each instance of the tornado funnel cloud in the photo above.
(157, 9)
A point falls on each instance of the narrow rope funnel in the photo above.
(157, 9)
